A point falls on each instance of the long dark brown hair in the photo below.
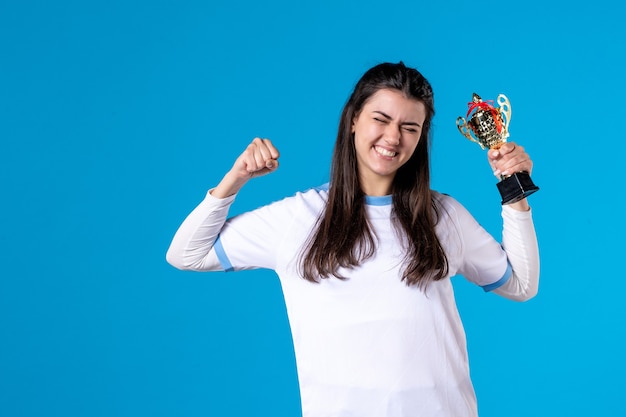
(343, 237)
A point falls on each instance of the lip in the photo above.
(377, 149)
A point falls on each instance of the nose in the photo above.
(392, 134)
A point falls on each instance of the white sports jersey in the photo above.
(369, 345)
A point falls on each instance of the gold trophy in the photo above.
(490, 128)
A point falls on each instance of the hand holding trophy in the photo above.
(490, 128)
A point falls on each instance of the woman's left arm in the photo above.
(519, 239)
(520, 244)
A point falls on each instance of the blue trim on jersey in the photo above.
(383, 200)
(221, 255)
(501, 281)
(323, 187)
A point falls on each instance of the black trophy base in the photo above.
(516, 187)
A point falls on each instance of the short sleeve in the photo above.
(254, 239)
(249, 240)
(482, 260)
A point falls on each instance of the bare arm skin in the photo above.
(259, 158)
(191, 247)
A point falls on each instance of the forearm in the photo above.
(229, 185)
(520, 243)
(191, 246)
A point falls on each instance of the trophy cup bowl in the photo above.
(489, 127)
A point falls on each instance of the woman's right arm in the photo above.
(192, 245)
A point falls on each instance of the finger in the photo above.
(260, 157)
(266, 151)
(251, 159)
(257, 153)
(250, 162)
(508, 155)
(526, 166)
(511, 147)
(272, 149)
(516, 164)
(494, 156)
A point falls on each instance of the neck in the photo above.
(376, 187)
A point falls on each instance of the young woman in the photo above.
(365, 261)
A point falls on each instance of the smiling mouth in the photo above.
(385, 152)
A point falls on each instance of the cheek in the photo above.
(362, 143)
(369, 131)
(410, 145)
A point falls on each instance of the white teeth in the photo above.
(384, 151)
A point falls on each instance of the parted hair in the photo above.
(342, 237)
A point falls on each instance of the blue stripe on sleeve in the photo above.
(501, 281)
(221, 255)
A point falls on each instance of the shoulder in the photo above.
(452, 213)
(319, 193)
(315, 196)
(309, 200)
(447, 205)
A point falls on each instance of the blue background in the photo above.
(117, 116)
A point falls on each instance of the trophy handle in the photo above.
(505, 111)
(461, 124)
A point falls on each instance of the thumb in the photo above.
(271, 164)
(493, 154)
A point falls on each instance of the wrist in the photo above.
(230, 185)
(521, 205)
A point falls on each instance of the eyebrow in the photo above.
(390, 118)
